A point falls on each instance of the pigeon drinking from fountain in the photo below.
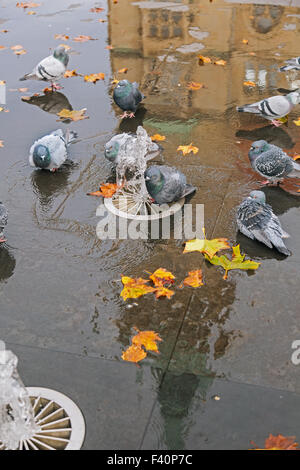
(3, 221)
(272, 162)
(166, 184)
(273, 108)
(50, 152)
(50, 69)
(127, 96)
(256, 220)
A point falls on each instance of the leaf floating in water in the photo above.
(96, 10)
(72, 115)
(186, 149)
(27, 5)
(163, 292)
(1, 143)
(70, 73)
(134, 288)
(237, 262)
(147, 339)
(62, 36)
(245, 41)
(220, 62)
(134, 354)
(2, 48)
(158, 137)
(106, 190)
(94, 77)
(249, 83)
(124, 70)
(194, 279)
(161, 277)
(204, 60)
(83, 38)
(279, 442)
(195, 86)
(209, 247)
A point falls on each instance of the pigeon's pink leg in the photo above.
(127, 115)
(276, 123)
(53, 170)
(265, 182)
(54, 86)
(2, 240)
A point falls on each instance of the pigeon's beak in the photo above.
(147, 178)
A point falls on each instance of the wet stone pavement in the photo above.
(60, 305)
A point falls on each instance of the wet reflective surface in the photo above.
(60, 304)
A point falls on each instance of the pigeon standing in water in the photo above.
(272, 162)
(127, 96)
(166, 184)
(292, 64)
(50, 69)
(50, 152)
(119, 142)
(256, 220)
(3, 221)
(273, 108)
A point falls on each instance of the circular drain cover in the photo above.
(61, 422)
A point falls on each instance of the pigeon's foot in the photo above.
(127, 115)
(276, 123)
(265, 182)
(54, 170)
(55, 86)
(2, 240)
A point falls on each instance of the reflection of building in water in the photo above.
(144, 32)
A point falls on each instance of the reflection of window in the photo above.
(262, 76)
(265, 17)
(165, 24)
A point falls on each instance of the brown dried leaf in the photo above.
(94, 77)
(72, 115)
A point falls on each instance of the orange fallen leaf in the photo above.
(147, 339)
(109, 47)
(1, 143)
(158, 137)
(106, 190)
(70, 73)
(62, 36)
(72, 115)
(209, 247)
(114, 81)
(163, 292)
(237, 261)
(194, 279)
(245, 41)
(4, 31)
(21, 52)
(279, 442)
(23, 90)
(31, 13)
(83, 38)
(134, 288)
(296, 157)
(124, 70)
(249, 83)
(94, 77)
(204, 60)
(17, 47)
(161, 277)
(220, 62)
(186, 149)
(27, 5)
(252, 53)
(134, 354)
(96, 10)
(2, 47)
(2, 82)
(195, 86)
(101, 20)
(47, 90)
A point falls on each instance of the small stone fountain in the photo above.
(35, 418)
(132, 199)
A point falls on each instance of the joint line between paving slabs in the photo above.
(166, 369)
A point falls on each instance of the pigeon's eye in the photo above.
(252, 148)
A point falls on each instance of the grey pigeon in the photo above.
(292, 64)
(50, 69)
(3, 221)
(50, 152)
(273, 108)
(256, 220)
(166, 184)
(119, 142)
(272, 162)
(127, 96)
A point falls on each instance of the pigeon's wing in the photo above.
(274, 107)
(175, 183)
(137, 95)
(292, 64)
(57, 149)
(50, 69)
(274, 163)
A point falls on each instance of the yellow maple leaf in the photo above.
(72, 115)
(163, 292)
(124, 70)
(134, 354)
(195, 86)
(245, 41)
(249, 83)
(279, 442)
(204, 60)
(161, 277)
(106, 190)
(70, 73)
(158, 137)
(186, 149)
(134, 288)
(297, 122)
(209, 247)
(147, 339)
(94, 77)
(237, 261)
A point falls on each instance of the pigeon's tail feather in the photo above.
(189, 189)
(285, 68)
(282, 248)
(248, 108)
(28, 76)
(70, 136)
